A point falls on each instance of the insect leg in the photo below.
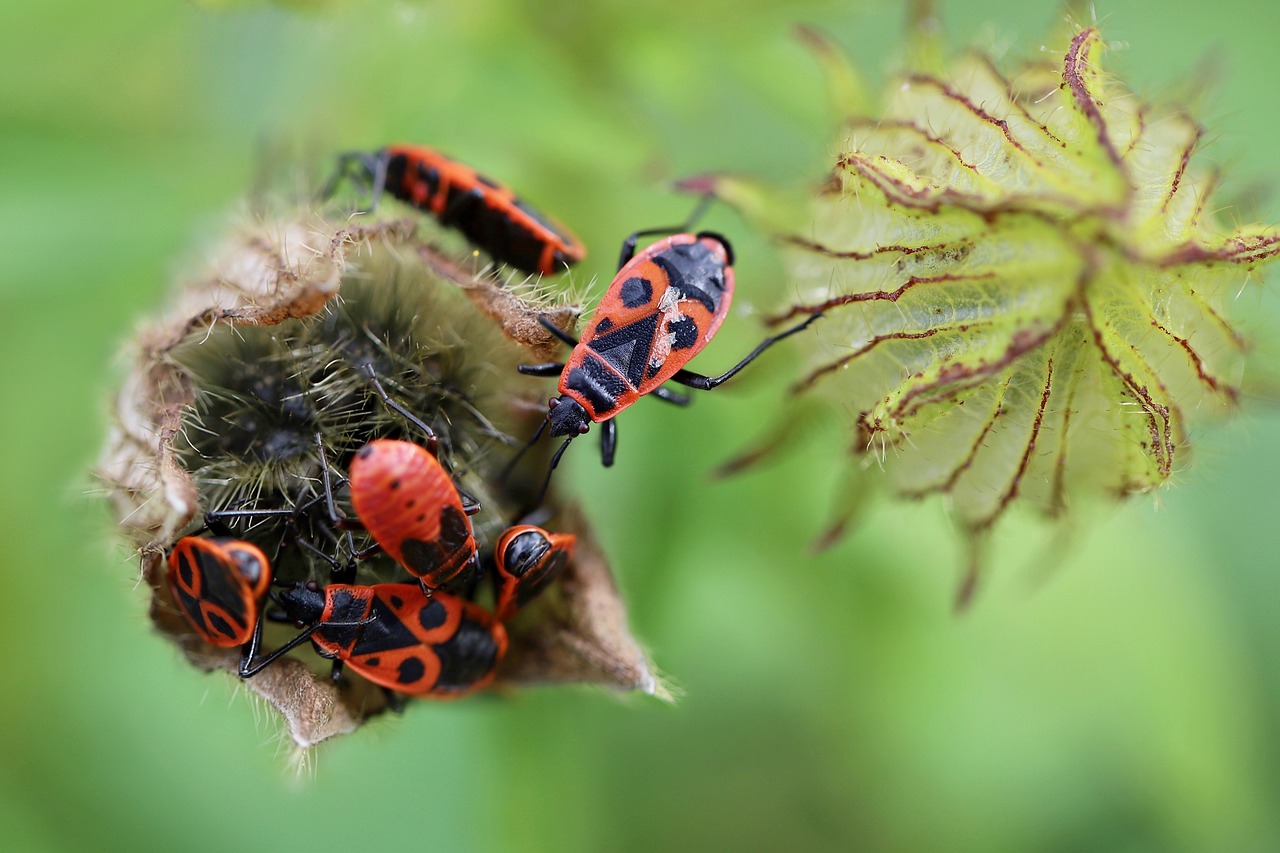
(248, 669)
(558, 332)
(608, 441)
(666, 395)
(629, 244)
(706, 383)
(506, 470)
(432, 442)
(552, 368)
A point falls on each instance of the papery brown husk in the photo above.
(270, 272)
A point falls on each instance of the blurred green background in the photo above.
(1123, 695)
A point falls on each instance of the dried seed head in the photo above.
(1024, 282)
(270, 350)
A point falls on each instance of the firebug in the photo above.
(408, 503)
(491, 216)
(662, 308)
(527, 560)
(218, 584)
(396, 635)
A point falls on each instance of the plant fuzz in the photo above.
(271, 365)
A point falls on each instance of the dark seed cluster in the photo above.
(268, 398)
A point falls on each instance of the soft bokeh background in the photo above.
(1119, 693)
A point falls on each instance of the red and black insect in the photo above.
(218, 584)
(527, 560)
(661, 309)
(396, 635)
(490, 215)
(408, 503)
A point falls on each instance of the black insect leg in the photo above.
(555, 460)
(706, 383)
(341, 572)
(215, 520)
(248, 669)
(470, 505)
(608, 441)
(507, 469)
(558, 332)
(629, 245)
(432, 442)
(551, 368)
(668, 396)
(249, 650)
(395, 702)
(337, 519)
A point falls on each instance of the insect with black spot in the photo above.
(490, 215)
(394, 635)
(661, 309)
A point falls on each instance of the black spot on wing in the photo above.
(423, 558)
(454, 528)
(603, 326)
(410, 671)
(190, 606)
(247, 563)
(636, 292)
(220, 582)
(430, 176)
(684, 333)
(219, 626)
(185, 570)
(433, 615)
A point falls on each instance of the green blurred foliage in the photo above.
(1113, 688)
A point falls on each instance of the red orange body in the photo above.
(408, 503)
(397, 636)
(662, 309)
(218, 585)
(487, 212)
(528, 559)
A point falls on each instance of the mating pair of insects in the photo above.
(662, 308)
(410, 638)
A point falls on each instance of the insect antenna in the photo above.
(506, 469)
(555, 460)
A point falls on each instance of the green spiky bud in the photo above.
(1024, 279)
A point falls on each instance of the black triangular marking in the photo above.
(385, 633)
(627, 349)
